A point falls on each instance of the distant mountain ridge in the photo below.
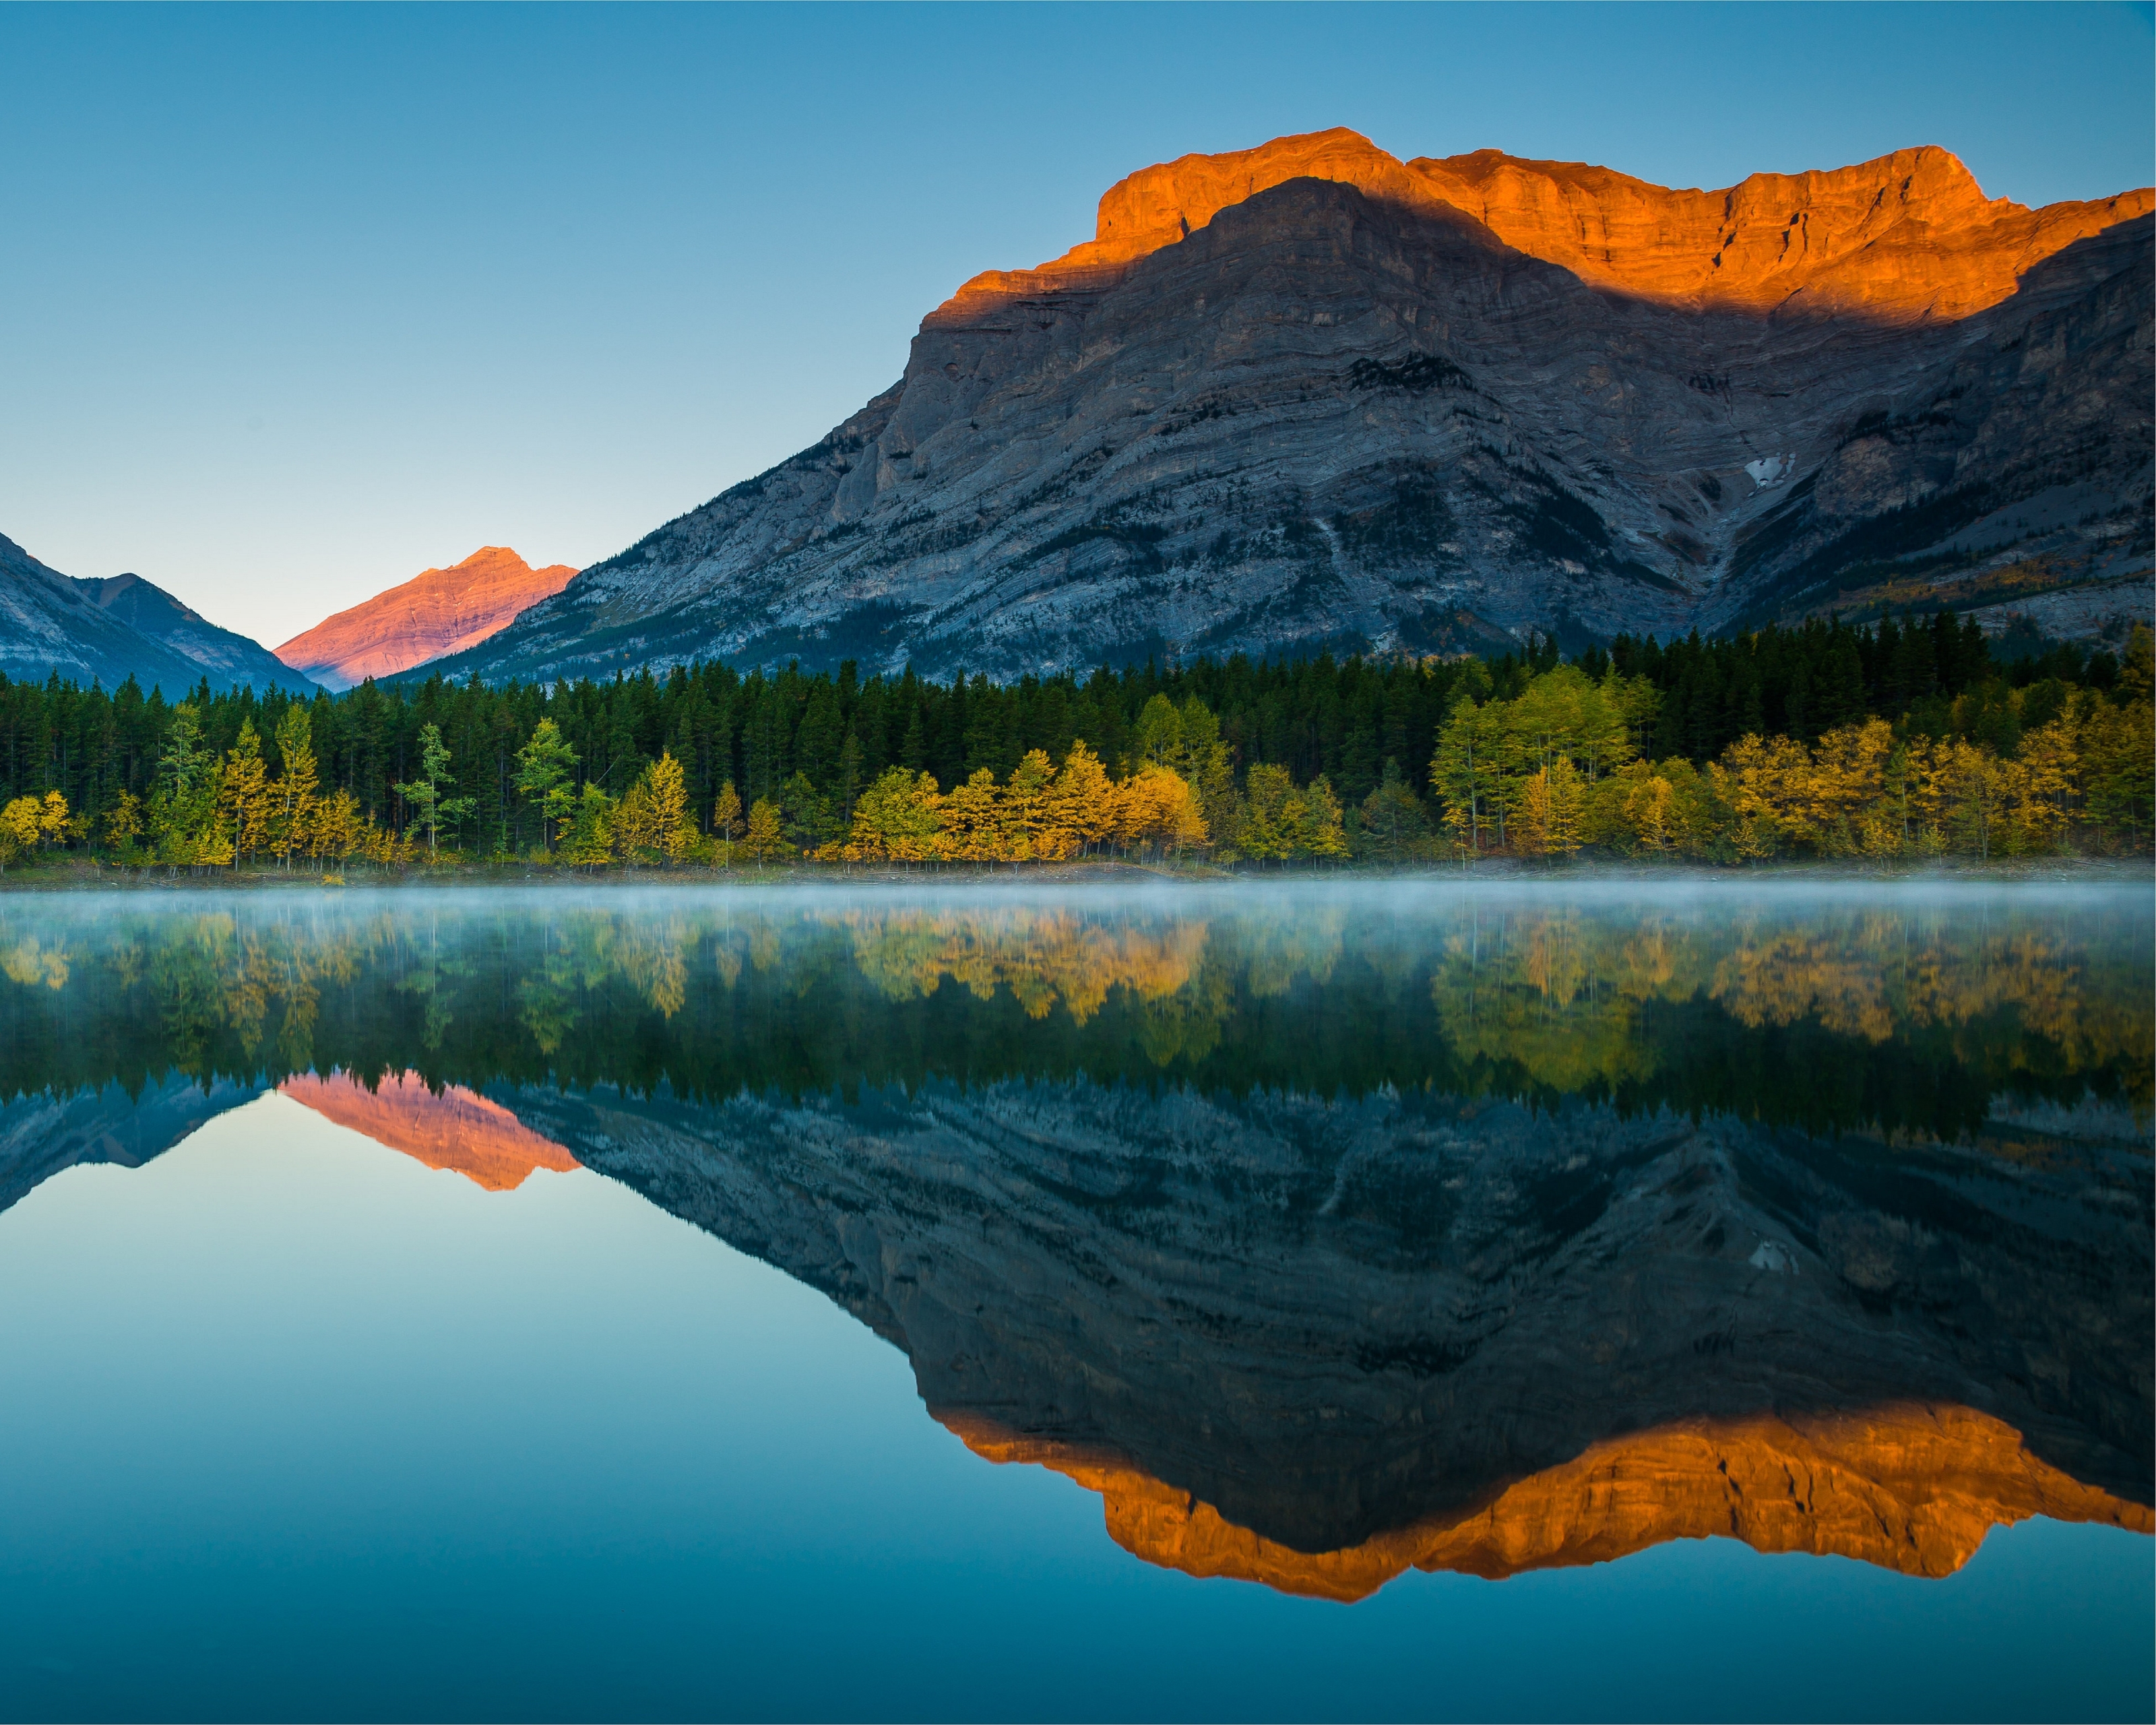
(1309, 395)
(437, 612)
(107, 629)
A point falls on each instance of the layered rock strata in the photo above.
(437, 612)
(1309, 395)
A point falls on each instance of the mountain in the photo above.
(457, 1129)
(1911, 1487)
(1312, 1341)
(44, 1132)
(107, 630)
(1311, 395)
(436, 612)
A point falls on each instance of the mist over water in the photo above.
(1414, 1298)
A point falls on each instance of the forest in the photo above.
(1910, 738)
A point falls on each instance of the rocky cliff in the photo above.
(1309, 395)
(1314, 1341)
(110, 629)
(437, 612)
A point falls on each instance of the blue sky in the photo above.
(298, 301)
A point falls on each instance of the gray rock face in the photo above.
(1328, 1319)
(1353, 416)
(108, 630)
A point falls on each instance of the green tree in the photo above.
(424, 792)
(184, 817)
(543, 767)
(1394, 822)
(588, 838)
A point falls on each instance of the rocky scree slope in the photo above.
(1311, 395)
(437, 612)
(106, 631)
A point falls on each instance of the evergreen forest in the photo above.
(1910, 738)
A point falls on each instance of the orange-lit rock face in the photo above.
(457, 1130)
(1913, 1488)
(436, 613)
(1909, 235)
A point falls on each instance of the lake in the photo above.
(1523, 1299)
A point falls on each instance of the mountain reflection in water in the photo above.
(1323, 1233)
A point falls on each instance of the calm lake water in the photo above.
(1687, 1300)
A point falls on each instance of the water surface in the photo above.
(1418, 1301)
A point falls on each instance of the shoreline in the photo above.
(81, 877)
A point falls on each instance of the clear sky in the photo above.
(296, 302)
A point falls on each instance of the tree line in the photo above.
(1906, 739)
(1909, 1019)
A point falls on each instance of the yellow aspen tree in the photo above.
(292, 804)
(670, 803)
(1029, 834)
(53, 819)
(1649, 811)
(1082, 801)
(1531, 814)
(726, 814)
(19, 823)
(1157, 809)
(2044, 788)
(243, 790)
(972, 820)
(765, 841)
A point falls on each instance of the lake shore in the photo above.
(75, 876)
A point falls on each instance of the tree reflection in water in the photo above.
(1322, 1233)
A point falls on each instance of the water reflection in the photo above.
(1321, 1235)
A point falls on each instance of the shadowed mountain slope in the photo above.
(1309, 395)
(108, 630)
(1314, 1342)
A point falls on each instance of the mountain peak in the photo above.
(1307, 394)
(437, 612)
(1906, 235)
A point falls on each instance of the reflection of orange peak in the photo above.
(1907, 235)
(457, 1130)
(1913, 1487)
(437, 612)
